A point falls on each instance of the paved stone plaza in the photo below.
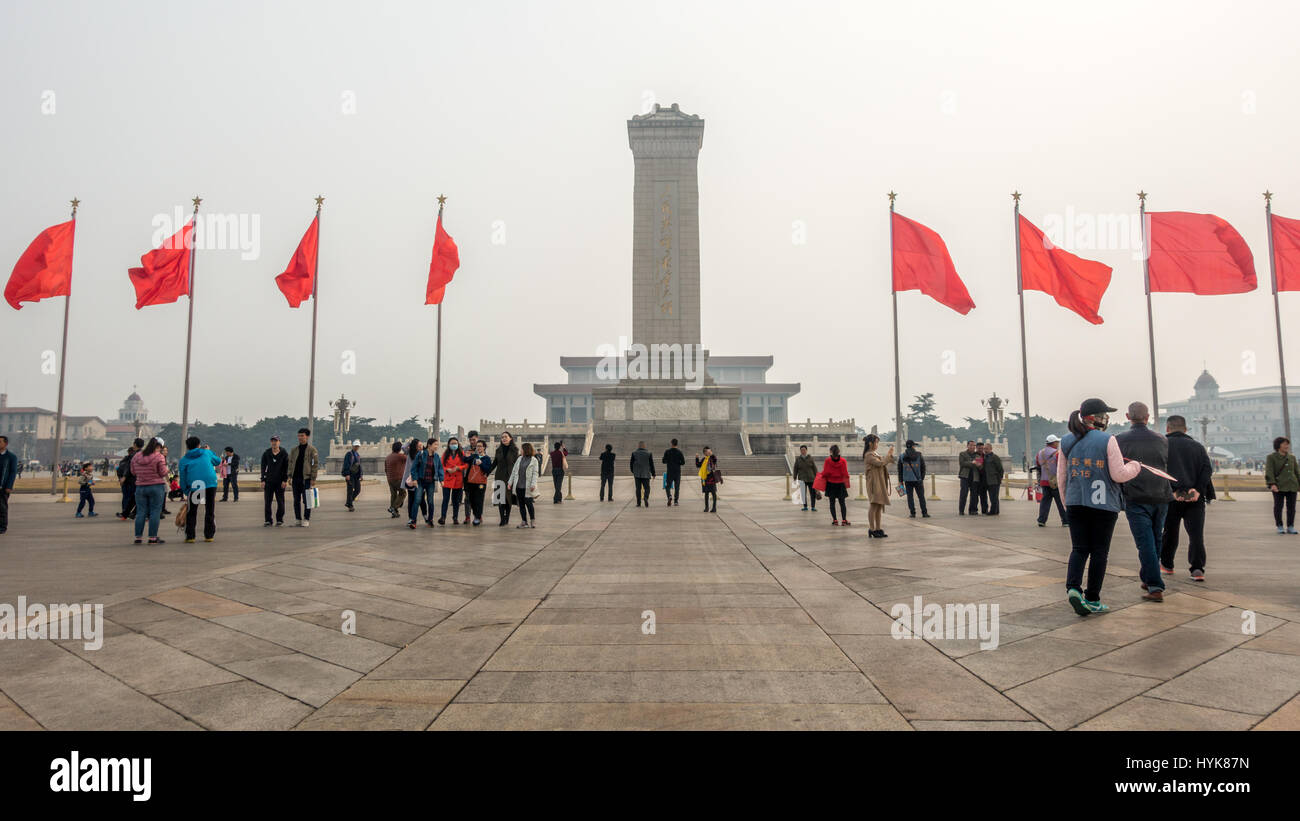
(766, 617)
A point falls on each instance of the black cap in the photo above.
(1094, 406)
(910, 444)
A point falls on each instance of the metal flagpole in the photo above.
(1024, 349)
(315, 280)
(437, 373)
(63, 369)
(1151, 328)
(1277, 314)
(189, 331)
(893, 292)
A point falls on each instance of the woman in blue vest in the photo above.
(1089, 472)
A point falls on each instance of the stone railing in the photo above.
(808, 427)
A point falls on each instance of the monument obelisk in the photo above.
(666, 311)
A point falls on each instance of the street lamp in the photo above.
(1205, 422)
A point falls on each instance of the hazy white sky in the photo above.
(517, 112)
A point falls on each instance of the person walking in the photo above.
(835, 473)
(305, 464)
(877, 481)
(478, 475)
(1146, 497)
(86, 489)
(523, 478)
(710, 477)
(911, 472)
(8, 473)
(230, 476)
(198, 475)
(149, 467)
(1045, 459)
(805, 473)
(453, 482)
(559, 466)
(607, 472)
(965, 475)
(673, 462)
(992, 475)
(352, 474)
(1190, 465)
(428, 475)
(1282, 476)
(503, 463)
(126, 480)
(394, 467)
(643, 470)
(275, 478)
(1089, 471)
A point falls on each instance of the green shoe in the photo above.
(1075, 598)
(1096, 606)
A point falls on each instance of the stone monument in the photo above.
(671, 394)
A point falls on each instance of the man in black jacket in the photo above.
(607, 472)
(673, 461)
(1146, 497)
(126, 479)
(275, 477)
(1190, 465)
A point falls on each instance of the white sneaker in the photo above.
(306, 523)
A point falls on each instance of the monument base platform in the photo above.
(661, 410)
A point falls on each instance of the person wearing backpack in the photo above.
(1089, 473)
(911, 472)
(426, 470)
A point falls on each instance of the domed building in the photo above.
(133, 413)
(1243, 422)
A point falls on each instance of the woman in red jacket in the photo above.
(453, 482)
(835, 470)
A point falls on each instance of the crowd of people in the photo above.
(1162, 483)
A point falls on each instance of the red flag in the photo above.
(1074, 282)
(165, 276)
(921, 262)
(299, 279)
(45, 268)
(446, 259)
(1197, 254)
(1286, 252)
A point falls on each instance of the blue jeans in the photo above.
(148, 507)
(1147, 522)
(420, 493)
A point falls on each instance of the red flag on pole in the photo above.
(45, 268)
(921, 262)
(446, 259)
(165, 276)
(1286, 252)
(1074, 282)
(299, 279)
(1197, 254)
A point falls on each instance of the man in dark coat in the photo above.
(643, 470)
(607, 472)
(965, 472)
(1190, 465)
(1146, 497)
(992, 481)
(673, 461)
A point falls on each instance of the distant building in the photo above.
(1243, 422)
(761, 402)
(133, 413)
(31, 430)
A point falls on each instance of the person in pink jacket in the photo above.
(150, 470)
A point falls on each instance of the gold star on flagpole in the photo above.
(1015, 195)
(892, 195)
(197, 199)
(319, 199)
(75, 202)
(1268, 196)
(1142, 197)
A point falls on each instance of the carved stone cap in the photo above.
(673, 114)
